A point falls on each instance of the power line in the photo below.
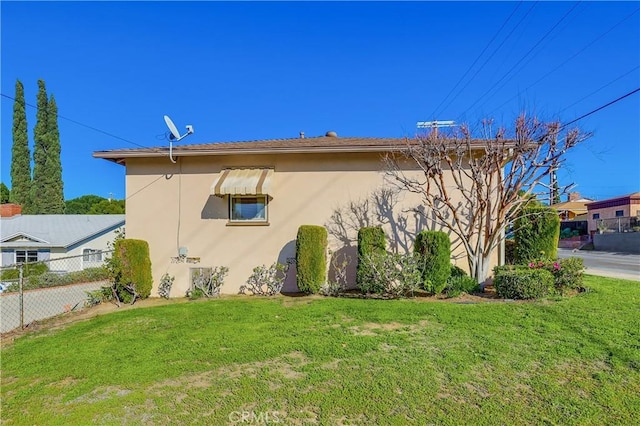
(82, 124)
(477, 58)
(491, 55)
(599, 89)
(522, 58)
(600, 108)
(569, 59)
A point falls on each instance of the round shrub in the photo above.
(434, 250)
(311, 258)
(522, 282)
(537, 231)
(371, 243)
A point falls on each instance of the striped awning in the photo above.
(242, 182)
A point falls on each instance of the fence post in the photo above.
(21, 296)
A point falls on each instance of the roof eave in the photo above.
(120, 156)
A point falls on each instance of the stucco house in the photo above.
(31, 238)
(240, 204)
(619, 214)
(572, 209)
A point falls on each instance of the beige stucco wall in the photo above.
(170, 206)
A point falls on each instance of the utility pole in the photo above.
(553, 178)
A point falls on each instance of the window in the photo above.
(26, 256)
(596, 215)
(91, 255)
(619, 213)
(248, 209)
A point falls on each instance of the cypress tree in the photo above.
(20, 155)
(40, 153)
(54, 188)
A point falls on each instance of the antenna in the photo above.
(435, 124)
(175, 135)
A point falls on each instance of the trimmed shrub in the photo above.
(537, 231)
(130, 268)
(311, 258)
(371, 242)
(522, 282)
(434, 251)
(395, 275)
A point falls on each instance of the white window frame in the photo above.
(265, 198)
(26, 255)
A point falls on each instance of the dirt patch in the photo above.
(282, 366)
(100, 394)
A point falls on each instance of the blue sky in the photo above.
(246, 71)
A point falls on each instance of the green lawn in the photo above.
(337, 361)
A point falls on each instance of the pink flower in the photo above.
(532, 265)
(556, 266)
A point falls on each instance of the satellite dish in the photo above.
(172, 128)
(175, 135)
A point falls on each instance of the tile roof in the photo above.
(575, 206)
(55, 230)
(321, 144)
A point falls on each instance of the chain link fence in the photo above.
(34, 291)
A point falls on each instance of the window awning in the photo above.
(242, 182)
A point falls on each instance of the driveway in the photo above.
(607, 264)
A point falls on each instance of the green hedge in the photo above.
(130, 266)
(311, 258)
(536, 232)
(522, 282)
(371, 242)
(434, 251)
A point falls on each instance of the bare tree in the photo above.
(474, 187)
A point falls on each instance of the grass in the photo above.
(337, 361)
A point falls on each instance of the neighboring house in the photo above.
(620, 214)
(574, 207)
(31, 238)
(240, 204)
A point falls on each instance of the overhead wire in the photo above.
(599, 108)
(82, 124)
(483, 96)
(491, 55)
(599, 89)
(478, 57)
(568, 59)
